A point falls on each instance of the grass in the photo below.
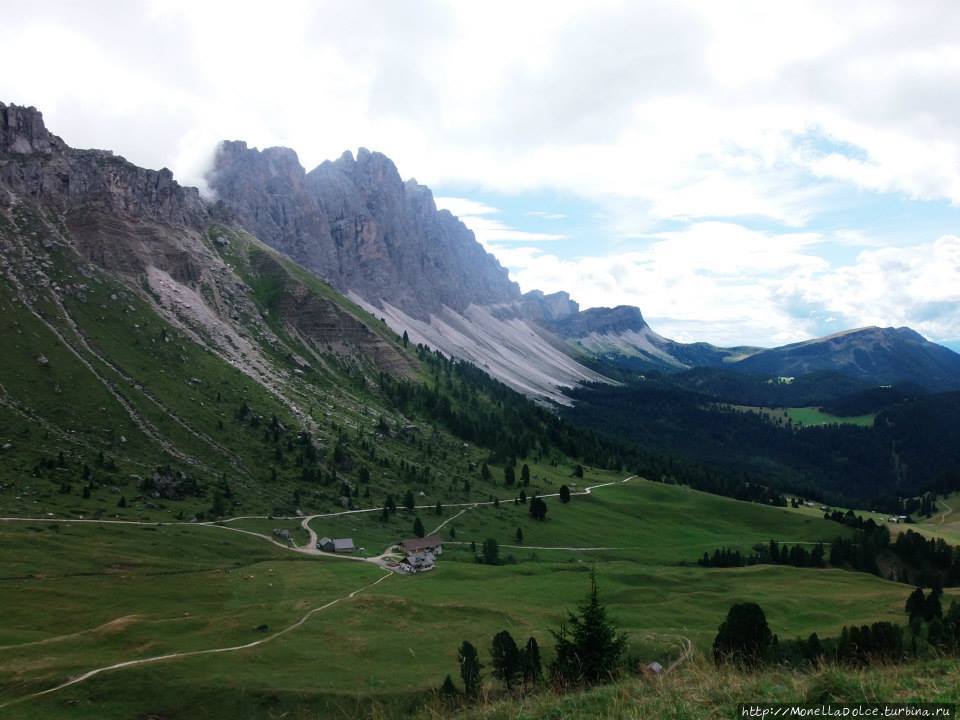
(698, 691)
(89, 595)
(807, 416)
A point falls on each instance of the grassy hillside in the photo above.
(87, 595)
(698, 690)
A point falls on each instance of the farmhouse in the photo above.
(421, 553)
(340, 545)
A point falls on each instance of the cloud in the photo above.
(700, 110)
(462, 207)
(669, 116)
(490, 231)
(729, 285)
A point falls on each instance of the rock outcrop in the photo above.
(358, 225)
(39, 166)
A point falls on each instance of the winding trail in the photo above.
(944, 515)
(439, 527)
(193, 653)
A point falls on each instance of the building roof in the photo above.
(324, 541)
(343, 544)
(417, 544)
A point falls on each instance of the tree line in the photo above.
(745, 638)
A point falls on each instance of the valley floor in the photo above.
(252, 629)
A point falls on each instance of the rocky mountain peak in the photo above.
(602, 321)
(37, 165)
(545, 309)
(22, 131)
(356, 223)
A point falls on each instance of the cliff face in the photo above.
(39, 166)
(359, 226)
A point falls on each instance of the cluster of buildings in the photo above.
(419, 554)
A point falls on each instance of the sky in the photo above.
(744, 172)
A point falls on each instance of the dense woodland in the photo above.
(913, 447)
(482, 410)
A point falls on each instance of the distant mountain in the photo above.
(879, 355)
(623, 338)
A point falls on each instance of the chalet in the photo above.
(430, 543)
(282, 534)
(336, 545)
(421, 553)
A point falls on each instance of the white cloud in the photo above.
(462, 207)
(698, 108)
(729, 285)
(488, 230)
(663, 113)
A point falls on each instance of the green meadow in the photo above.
(808, 416)
(82, 596)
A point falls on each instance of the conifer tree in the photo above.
(589, 649)
(470, 667)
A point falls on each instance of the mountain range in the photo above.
(382, 245)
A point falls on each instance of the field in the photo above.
(807, 416)
(82, 596)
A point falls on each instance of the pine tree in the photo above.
(448, 689)
(438, 510)
(814, 649)
(470, 667)
(589, 649)
(505, 659)
(932, 609)
(525, 475)
(418, 528)
(408, 501)
(520, 535)
(564, 494)
(406, 339)
(538, 509)
(484, 472)
(122, 502)
(491, 551)
(915, 604)
(744, 637)
(509, 478)
(530, 662)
